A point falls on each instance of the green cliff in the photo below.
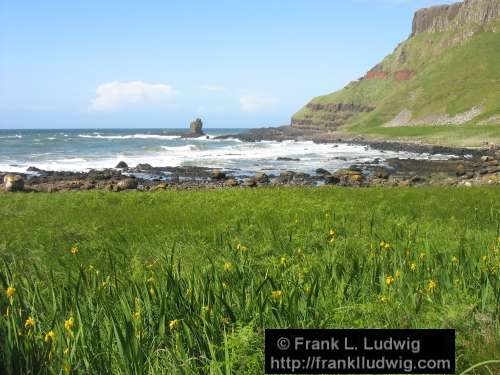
(442, 85)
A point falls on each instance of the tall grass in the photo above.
(186, 282)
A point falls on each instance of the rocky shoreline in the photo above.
(290, 133)
(470, 167)
(461, 171)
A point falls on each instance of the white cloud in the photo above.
(116, 95)
(257, 103)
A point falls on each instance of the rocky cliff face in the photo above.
(447, 17)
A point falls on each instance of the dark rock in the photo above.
(33, 169)
(121, 165)
(13, 183)
(196, 127)
(300, 176)
(331, 179)
(460, 169)
(144, 167)
(486, 158)
(127, 184)
(321, 171)
(217, 175)
(417, 180)
(249, 182)
(349, 177)
(261, 177)
(231, 182)
(382, 173)
(355, 168)
(287, 175)
(159, 187)
(286, 159)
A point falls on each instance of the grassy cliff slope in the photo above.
(442, 85)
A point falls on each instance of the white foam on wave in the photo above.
(130, 136)
(245, 156)
(179, 149)
(18, 136)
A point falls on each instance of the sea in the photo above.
(80, 150)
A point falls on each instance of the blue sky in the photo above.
(106, 63)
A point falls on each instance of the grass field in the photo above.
(186, 282)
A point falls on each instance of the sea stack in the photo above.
(196, 127)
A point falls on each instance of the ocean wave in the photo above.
(19, 136)
(180, 148)
(130, 136)
(245, 156)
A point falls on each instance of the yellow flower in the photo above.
(66, 351)
(422, 255)
(137, 315)
(240, 248)
(173, 324)
(74, 250)
(398, 274)
(455, 260)
(389, 280)
(333, 233)
(205, 309)
(384, 299)
(413, 266)
(69, 323)
(385, 245)
(50, 336)
(10, 291)
(431, 285)
(484, 258)
(67, 369)
(228, 266)
(277, 294)
(283, 261)
(225, 285)
(29, 323)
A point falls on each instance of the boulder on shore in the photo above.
(331, 179)
(349, 177)
(261, 177)
(322, 171)
(121, 165)
(127, 184)
(217, 175)
(13, 183)
(144, 167)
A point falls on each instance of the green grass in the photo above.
(450, 78)
(183, 282)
